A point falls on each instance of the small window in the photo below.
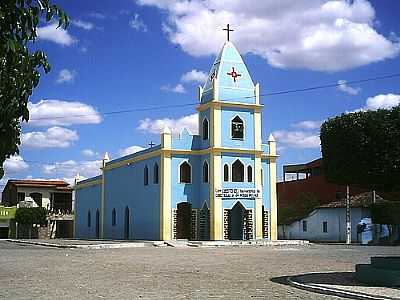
(156, 172)
(114, 217)
(262, 176)
(205, 129)
(21, 197)
(89, 219)
(185, 171)
(237, 128)
(237, 171)
(146, 175)
(325, 226)
(205, 172)
(226, 173)
(304, 226)
(249, 174)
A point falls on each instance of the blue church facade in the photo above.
(217, 185)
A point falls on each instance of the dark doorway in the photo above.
(236, 222)
(183, 220)
(3, 232)
(126, 224)
(97, 224)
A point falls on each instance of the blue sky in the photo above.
(127, 54)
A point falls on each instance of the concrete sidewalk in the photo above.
(342, 284)
(116, 244)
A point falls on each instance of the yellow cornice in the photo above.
(83, 185)
(256, 107)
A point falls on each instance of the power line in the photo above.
(306, 89)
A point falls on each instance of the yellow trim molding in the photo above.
(216, 217)
(165, 187)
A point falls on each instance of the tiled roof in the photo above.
(38, 183)
(360, 200)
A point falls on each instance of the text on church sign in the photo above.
(237, 193)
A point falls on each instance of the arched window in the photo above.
(226, 173)
(237, 171)
(249, 174)
(89, 219)
(205, 129)
(237, 128)
(205, 171)
(155, 178)
(262, 177)
(146, 175)
(185, 172)
(114, 217)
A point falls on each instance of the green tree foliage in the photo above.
(363, 149)
(387, 212)
(29, 216)
(19, 66)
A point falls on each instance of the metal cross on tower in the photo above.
(228, 30)
(151, 144)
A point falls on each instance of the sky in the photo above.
(149, 55)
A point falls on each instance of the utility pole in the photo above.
(348, 217)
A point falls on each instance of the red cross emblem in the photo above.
(234, 74)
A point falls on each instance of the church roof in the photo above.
(232, 79)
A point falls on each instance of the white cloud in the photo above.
(347, 89)
(89, 153)
(66, 75)
(179, 88)
(308, 124)
(82, 24)
(68, 169)
(194, 76)
(137, 23)
(130, 150)
(382, 101)
(54, 137)
(57, 35)
(62, 113)
(97, 15)
(15, 164)
(322, 35)
(297, 139)
(176, 125)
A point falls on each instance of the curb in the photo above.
(333, 291)
(98, 246)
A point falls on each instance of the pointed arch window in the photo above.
(185, 173)
(113, 217)
(237, 171)
(146, 175)
(249, 174)
(205, 129)
(237, 128)
(205, 172)
(156, 173)
(226, 173)
(89, 219)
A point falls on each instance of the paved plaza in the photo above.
(36, 272)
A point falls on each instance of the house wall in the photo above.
(124, 188)
(87, 199)
(336, 218)
(44, 191)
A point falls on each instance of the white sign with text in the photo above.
(237, 193)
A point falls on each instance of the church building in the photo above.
(217, 185)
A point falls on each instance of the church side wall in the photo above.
(86, 199)
(124, 188)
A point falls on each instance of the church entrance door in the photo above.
(238, 223)
(184, 220)
(126, 224)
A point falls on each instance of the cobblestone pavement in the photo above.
(34, 272)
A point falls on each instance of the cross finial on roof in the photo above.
(228, 30)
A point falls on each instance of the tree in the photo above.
(20, 66)
(363, 149)
(387, 213)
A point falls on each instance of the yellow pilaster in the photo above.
(165, 185)
(258, 201)
(272, 188)
(216, 203)
(257, 130)
(105, 160)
